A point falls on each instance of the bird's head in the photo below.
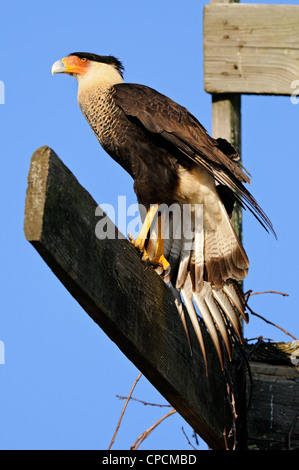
(87, 67)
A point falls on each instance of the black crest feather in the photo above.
(105, 59)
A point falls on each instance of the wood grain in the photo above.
(251, 48)
(123, 295)
(273, 407)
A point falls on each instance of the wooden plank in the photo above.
(123, 295)
(272, 418)
(251, 48)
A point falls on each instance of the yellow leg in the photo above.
(140, 240)
(139, 243)
(159, 258)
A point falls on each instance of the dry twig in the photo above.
(123, 410)
(188, 439)
(146, 433)
(296, 418)
(232, 403)
(144, 402)
(250, 293)
(271, 323)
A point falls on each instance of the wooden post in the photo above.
(123, 295)
(254, 49)
(226, 123)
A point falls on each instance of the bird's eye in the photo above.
(83, 59)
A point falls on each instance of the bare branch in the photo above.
(146, 433)
(144, 402)
(232, 403)
(250, 293)
(271, 323)
(123, 410)
(188, 439)
(296, 418)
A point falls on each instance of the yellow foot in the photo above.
(139, 244)
(160, 261)
(157, 260)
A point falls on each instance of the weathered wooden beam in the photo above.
(273, 397)
(123, 295)
(241, 55)
(251, 48)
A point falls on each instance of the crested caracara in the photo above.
(174, 163)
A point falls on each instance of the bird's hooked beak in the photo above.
(71, 65)
(58, 67)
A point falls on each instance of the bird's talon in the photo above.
(139, 244)
(145, 256)
(160, 261)
(156, 261)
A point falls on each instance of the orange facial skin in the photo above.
(74, 64)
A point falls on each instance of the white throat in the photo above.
(99, 75)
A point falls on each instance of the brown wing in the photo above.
(206, 274)
(159, 114)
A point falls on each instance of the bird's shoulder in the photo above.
(160, 114)
(156, 111)
(130, 92)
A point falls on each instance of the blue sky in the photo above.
(61, 373)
